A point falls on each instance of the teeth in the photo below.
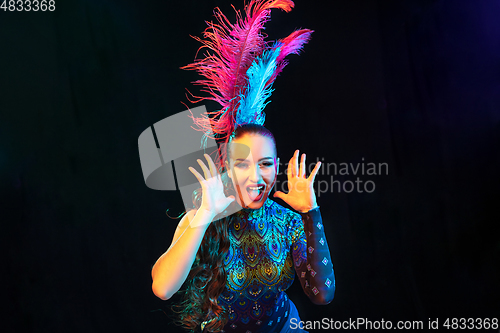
(255, 188)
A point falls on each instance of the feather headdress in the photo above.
(240, 67)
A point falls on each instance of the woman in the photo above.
(259, 247)
(236, 267)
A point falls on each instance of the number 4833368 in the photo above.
(28, 5)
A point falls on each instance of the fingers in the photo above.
(205, 169)
(293, 165)
(198, 176)
(302, 170)
(208, 173)
(296, 169)
(211, 164)
(296, 163)
(312, 176)
(289, 174)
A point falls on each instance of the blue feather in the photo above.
(253, 101)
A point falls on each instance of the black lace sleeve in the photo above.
(311, 257)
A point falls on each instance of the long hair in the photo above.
(207, 278)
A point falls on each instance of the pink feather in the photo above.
(292, 44)
(231, 50)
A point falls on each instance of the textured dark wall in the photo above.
(414, 84)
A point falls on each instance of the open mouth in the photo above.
(255, 192)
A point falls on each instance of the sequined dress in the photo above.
(268, 246)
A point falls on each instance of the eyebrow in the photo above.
(244, 159)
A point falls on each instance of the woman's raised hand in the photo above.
(213, 198)
(300, 196)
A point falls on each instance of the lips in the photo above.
(255, 191)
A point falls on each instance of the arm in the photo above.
(311, 257)
(309, 248)
(172, 268)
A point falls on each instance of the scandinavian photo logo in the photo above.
(362, 170)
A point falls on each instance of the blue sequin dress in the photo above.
(268, 246)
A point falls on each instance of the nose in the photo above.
(255, 173)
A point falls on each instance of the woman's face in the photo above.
(252, 168)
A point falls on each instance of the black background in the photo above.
(414, 84)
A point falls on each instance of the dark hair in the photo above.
(252, 129)
(207, 278)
